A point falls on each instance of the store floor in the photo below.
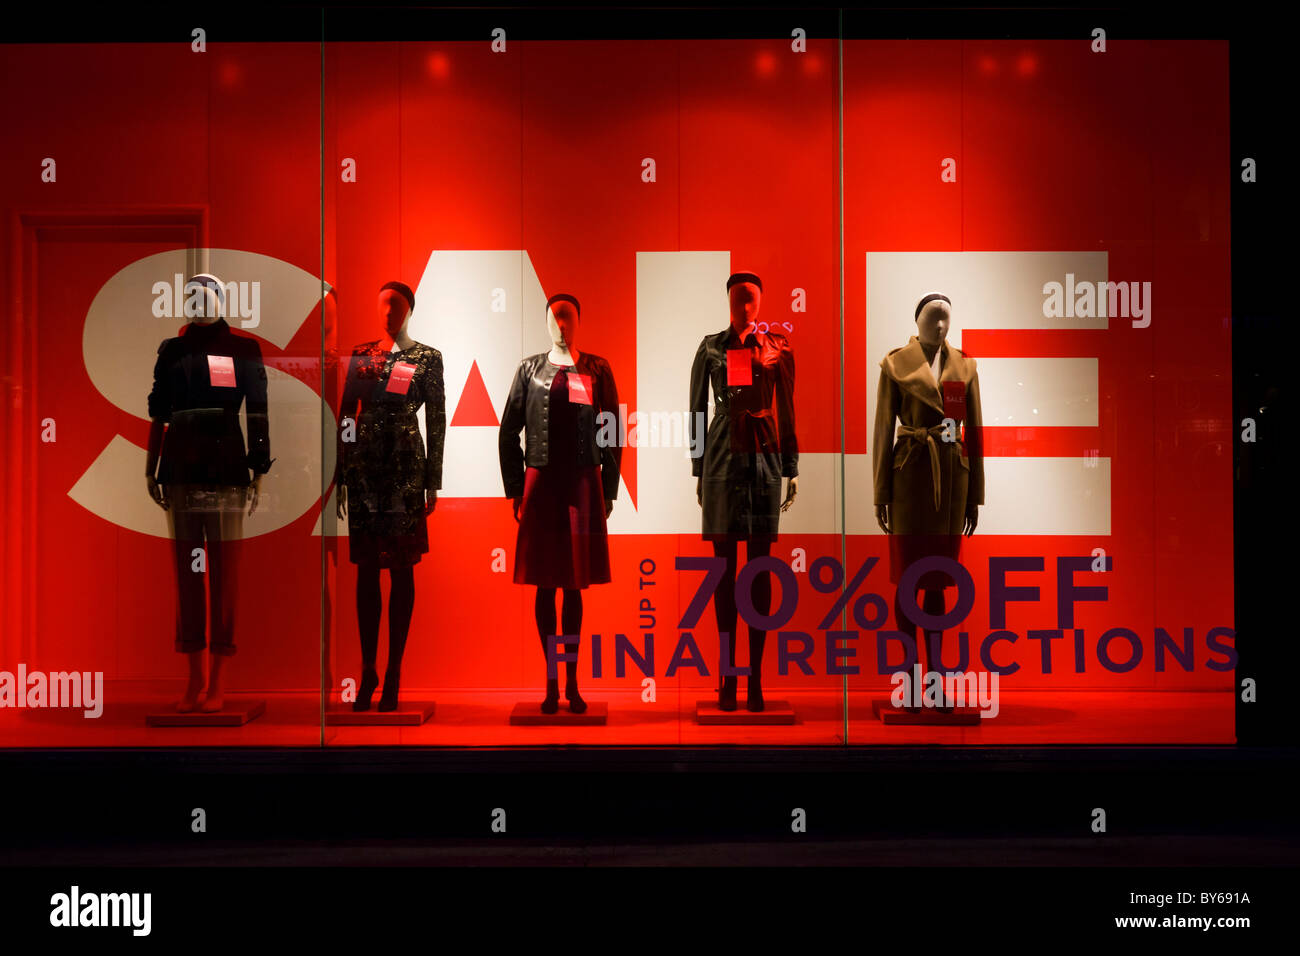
(481, 719)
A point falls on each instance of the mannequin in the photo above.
(196, 448)
(749, 447)
(391, 483)
(562, 500)
(929, 483)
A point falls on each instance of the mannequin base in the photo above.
(529, 714)
(885, 711)
(409, 713)
(773, 712)
(235, 712)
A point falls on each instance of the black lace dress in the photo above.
(385, 467)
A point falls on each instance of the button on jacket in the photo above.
(527, 410)
(204, 443)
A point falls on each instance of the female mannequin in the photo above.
(387, 480)
(927, 489)
(200, 380)
(562, 500)
(749, 447)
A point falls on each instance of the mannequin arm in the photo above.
(882, 518)
(512, 423)
(259, 442)
(888, 401)
(785, 420)
(699, 408)
(435, 426)
(975, 442)
(611, 456)
(156, 430)
(347, 409)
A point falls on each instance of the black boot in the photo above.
(552, 702)
(576, 704)
(754, 695)
(388, 700)
(369, 681)
(727, 696)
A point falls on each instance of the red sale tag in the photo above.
(954, 400)
(221, 371)
(579, 388)
(399, 380)
(739, 369)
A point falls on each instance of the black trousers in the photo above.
(207, 519)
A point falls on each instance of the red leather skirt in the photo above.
(562, 541)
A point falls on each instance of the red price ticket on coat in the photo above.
(221, 371)
(954, 401)
(579, 388)
(399, 380)
(739, 369)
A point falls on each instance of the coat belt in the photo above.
(917, 434)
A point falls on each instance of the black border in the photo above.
(1188, 793)
(296, 22)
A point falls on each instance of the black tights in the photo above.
(570, 617)
(401, 601)
(724, 601)
(931, 603)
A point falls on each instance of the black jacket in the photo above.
(204, 443)
(526, 410)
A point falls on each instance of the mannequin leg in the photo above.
(571, 621)
(724, 610)
(195, 686)
(401, 602)
(369, 608)
(905, 624)
(213, 700)
(220, 514)
(932, 603)
(762, 596)
(223, 524)
(544, 613)
(186, 529)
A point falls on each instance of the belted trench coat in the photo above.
(929, 483)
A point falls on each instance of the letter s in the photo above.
(120, 345)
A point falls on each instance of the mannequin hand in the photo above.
(517, 503)
(341, 501)
(254, 494)
(156, 492)
(609, 506)
(699, 491)
(430, 500)
(882, 518)
(972, 518)
(791, 489)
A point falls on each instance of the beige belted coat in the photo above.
(927, 482)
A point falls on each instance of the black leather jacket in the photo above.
(204, 443)
(526, 410)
